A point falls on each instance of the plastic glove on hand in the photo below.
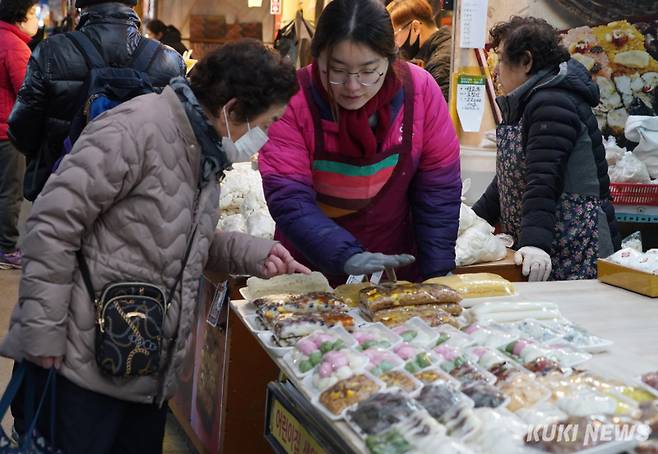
(369, 262)
(536, 263)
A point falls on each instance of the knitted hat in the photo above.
(86, 3)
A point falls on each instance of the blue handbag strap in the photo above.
(50, 383)
(12, 389)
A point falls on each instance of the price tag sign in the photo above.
(473, 23)
(355, 279)
(471, 94)
(376, 278)
(218, 304)
(275, 7)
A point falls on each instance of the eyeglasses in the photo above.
(365, 78)
(402, 28)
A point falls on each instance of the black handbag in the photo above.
(129, 322)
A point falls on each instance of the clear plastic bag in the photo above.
(629, 169)
(613, 152)
(477, 285)
(633, 241)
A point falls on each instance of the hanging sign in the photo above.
(254, 3)
(275, 7)
(473, 23)
(470, 101)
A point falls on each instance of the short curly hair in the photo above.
(15, 11)
(246, 70)
(529, 34)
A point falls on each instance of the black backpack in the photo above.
(106, 86)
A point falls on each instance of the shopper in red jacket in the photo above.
(18, 24)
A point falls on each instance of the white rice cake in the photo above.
(291, 284)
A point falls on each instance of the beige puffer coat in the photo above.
(125, 195)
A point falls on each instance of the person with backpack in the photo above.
(55, 85)
(118, 240)
(18, 23)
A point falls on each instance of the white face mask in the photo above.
(246, 146)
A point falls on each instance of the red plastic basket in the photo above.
(634, 194)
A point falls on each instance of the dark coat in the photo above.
(557, 122)
(436, 54)
(53, 90)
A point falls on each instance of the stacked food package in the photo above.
(409, 373)
(397, 303)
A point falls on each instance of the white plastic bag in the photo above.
(233, 223)
(645, 131)
(261, 225)
(629, 169)
(613, 152)
(467, 218)
(477, 244)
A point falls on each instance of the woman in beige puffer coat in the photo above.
(125, 197)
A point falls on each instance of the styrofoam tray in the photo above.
(357, 429)
(316, 399)
(379, 328)
(458, 339)
(598, 347)
(495, 339)
(443, 377)
(255, 324)
(338, 331)
(307, 381)
(416, 382)
(638, 382)
(246, 308)
(268, 339)
(417, 324)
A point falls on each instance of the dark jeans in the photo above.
(87, 422)
(12, 169)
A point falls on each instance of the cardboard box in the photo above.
(628, 278)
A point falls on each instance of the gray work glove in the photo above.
(369, 262)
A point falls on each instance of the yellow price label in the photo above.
(290, 433)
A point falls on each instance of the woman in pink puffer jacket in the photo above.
(366, 158)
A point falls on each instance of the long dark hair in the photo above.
(361, 21)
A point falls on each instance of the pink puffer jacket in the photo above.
(433, 196)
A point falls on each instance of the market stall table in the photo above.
(505, 268)
(627, 319)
